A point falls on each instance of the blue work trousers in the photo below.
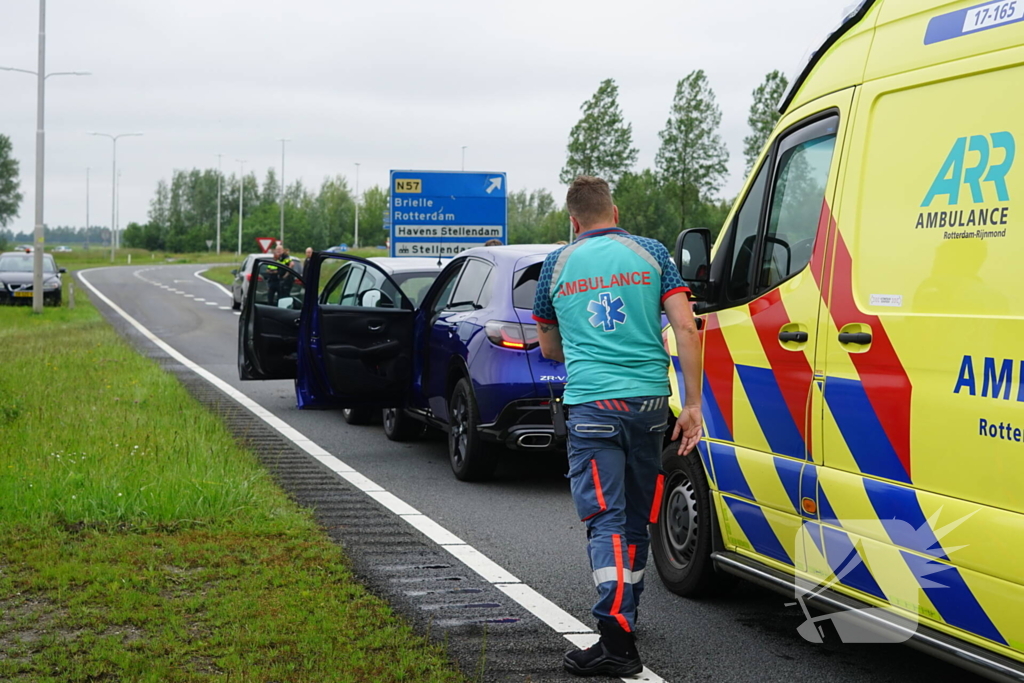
(615, 471)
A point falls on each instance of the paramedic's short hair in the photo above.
(590, 201)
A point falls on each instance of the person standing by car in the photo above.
(279, 284)
(305, 261)
(598, 308)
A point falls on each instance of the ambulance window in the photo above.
(803, 164)
(744, 239)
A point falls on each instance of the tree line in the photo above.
(681, 191)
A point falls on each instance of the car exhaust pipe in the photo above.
(535, 440)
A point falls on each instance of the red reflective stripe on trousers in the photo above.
(597, 485)
(659, 490)
(632, 556)
(620, 583)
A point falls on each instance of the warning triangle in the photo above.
(265, 243)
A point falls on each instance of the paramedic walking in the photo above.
(598, 308)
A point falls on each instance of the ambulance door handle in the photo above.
(798, 337)
(860, 338)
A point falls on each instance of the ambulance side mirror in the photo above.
(693, 258)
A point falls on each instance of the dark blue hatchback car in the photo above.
(464, 357)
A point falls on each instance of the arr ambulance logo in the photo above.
(975, 171)
(607, 312)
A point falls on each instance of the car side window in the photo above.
(276, 286)
(444, 294)
(797, 195)
(336, 286)
(744, 239)
(470, 291)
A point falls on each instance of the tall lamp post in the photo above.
(464, 157)
(355, 239)
(219, 174)
(282, 141)
(87, 208)
(41, 76)
(113, 188)
(241, 194)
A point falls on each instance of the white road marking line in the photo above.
(198, 299)
(199, 274)
(551, 614)
(238, 313)
(225, 308)
(490, 570)
(210, 303)
(190, 296)
(547, 611)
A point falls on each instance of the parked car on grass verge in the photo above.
(16, 278)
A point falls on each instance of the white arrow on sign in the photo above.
(495, 185)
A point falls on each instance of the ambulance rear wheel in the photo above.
(681, 541)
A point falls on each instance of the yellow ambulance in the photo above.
(863, 345)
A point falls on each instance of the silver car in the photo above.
(243, 274)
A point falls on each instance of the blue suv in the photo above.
(464, 358)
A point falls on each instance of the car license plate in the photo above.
(25, 294)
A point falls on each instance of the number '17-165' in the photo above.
(994, 13)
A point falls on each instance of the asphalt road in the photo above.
(524, 519)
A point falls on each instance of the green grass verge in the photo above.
(139, 542)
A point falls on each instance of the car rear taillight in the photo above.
(512, 335)
(248, 277)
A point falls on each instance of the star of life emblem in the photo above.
(607, 312)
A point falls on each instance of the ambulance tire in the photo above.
(399, 426)
(358, 416)
(682, 540)
(471, 458)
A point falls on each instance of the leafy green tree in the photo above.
(764, 114)
(527, 212)
(10, 197)
(646, 207)
(692, 158)
(371, 215)
(601, 143)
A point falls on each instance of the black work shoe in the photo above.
(615, 654)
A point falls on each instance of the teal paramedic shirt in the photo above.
(605, 292)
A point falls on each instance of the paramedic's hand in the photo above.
(688, 425)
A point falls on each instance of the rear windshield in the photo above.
(23, 264)
(525, 286)
(415, 285)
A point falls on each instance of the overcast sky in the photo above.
(386, 83)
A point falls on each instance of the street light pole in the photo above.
(39, 234)
(117, 215)
(87, 208)
(464, 157)
(282, 141)
(218, 200)
(355, 239)
(241, 194)
(113, 188)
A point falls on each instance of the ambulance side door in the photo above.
(760, 338)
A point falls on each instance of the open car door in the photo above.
(268, 329)
(357, 336)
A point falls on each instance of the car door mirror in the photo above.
(693, 258)
(62, 270)
(375, 298)
(234, 271)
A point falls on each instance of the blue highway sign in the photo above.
(443, 213)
